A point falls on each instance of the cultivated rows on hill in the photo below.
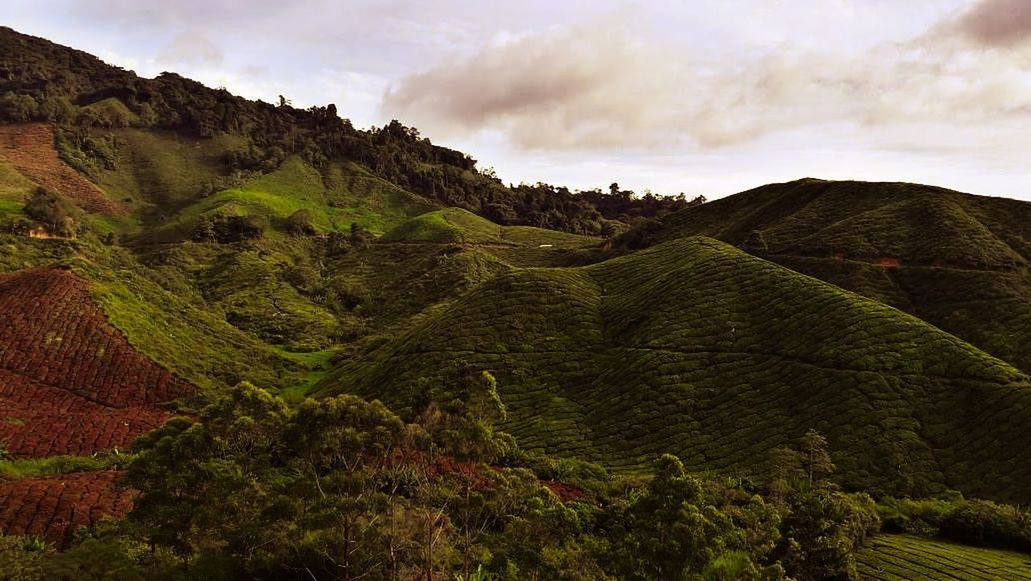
(30, 148)
(955, 260)
(70, 384)
(695, 348)
(54, 506)
(899, 557)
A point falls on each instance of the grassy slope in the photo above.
(964, 259)
(904, 557)
(191, 341)
(161, 170)
(14, 188)
(697, 348)
(343, 195)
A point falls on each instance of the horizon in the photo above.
(583, 95)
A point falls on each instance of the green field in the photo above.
(595, 361)
(958, 261)
(904, 557)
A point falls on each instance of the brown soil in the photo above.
(29, 147)
(52, 507)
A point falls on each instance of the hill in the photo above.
(70, 385)
(92, 102)
(696, 348)
(958, 261)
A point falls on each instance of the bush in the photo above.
(984, 523)
(300, 223)
(226, 229)
(52, 211)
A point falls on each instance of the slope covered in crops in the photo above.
(70, 385)
(30, 148)
(696, 348)
(955, 260)
(69, 382)
(904, 557)
(52, 507)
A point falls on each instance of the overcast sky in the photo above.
(695, 96)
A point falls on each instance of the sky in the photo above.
(697, 96)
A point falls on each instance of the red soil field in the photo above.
(52, 507)
(70, 383)
(29, 147)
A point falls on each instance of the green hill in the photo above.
(696, 348)
(955, 260)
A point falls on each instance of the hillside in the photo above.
(70, 385)
(958, 261)
(268, 344)
(906, 557)
(595, 361)
(94, 103)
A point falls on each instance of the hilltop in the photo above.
(958, 261)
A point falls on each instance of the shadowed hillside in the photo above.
(955, 260)
(695, 348)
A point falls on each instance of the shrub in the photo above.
(980, 522)
(52, 211)
(226, 229)
(300, 223)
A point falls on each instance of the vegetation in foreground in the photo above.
(342, 488)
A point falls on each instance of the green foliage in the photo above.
(52, 211)
(823, 531)
(595, 361)
(51, 465)
(984, 523)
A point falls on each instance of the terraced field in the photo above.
(699, 349)
(70, 384)
(903, 557)
(30, 149)
(52, 507)
(955, 260)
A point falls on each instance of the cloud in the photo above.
(599, 86)
(1001, 23)
(588, 84)
(191, 48)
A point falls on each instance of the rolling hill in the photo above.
(697, 348)
(958, 261)
(221, 242)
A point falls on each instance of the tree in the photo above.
(673, 531)
(823, 531)
(340, 446)
(816, 457)
(52, 211)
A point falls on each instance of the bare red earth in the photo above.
(52, 507)
(29, 147)
(70, 384)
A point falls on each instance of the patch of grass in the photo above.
(186, 339)
(53, 465)
(162, 170)
(334, 201)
